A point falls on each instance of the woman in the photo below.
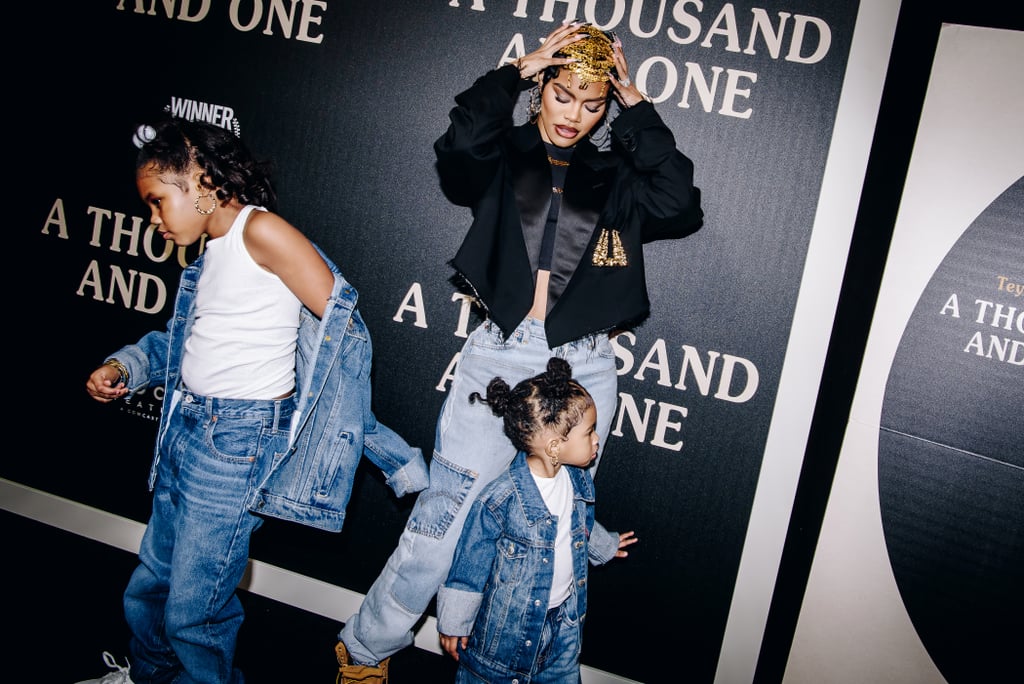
(555, 257)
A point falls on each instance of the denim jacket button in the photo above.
(536, 602)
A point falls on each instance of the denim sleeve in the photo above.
(402, 465)
(459, 600)
(146, 361)
(602, 545)
(457, 610)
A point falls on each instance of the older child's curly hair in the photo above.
(549, 400)
(174, 144)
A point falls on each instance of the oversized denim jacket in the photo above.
(498, 587)
(333, 424)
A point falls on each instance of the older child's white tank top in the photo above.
(242, 344)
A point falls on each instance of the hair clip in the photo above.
(143, 135)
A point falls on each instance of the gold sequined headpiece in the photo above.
(593, 55)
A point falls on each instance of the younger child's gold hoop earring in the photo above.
(213, 199)
(552, 452)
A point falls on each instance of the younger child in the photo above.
(266, 362)
(515, 598)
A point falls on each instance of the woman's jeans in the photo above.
(470, 450)
(180, 602)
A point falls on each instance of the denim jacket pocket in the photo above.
(439, 503)
(511, 560)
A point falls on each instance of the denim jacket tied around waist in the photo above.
(333, 424)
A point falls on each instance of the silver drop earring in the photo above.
(534, 107)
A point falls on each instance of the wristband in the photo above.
(122, 371)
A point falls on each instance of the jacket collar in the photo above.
(587, 185)
(534, 508)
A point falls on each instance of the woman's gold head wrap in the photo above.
(593, 55)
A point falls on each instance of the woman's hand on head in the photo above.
(625, 90)
(540, 59)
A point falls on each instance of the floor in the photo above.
(62, 610)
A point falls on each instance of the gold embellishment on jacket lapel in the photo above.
(609, 250)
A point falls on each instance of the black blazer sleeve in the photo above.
(661, 177)
(469, 152)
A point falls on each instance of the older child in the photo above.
(515, 599)
(266, 362)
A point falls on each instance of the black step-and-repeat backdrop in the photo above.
(347, 98)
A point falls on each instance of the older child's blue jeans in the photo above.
(470, 450)
(180, 602)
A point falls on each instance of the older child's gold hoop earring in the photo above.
(213, 199)
(534, 108)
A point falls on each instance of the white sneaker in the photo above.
(119, 676)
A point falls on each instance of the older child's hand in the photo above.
(103, 385)
(450, 644)
(625, 539)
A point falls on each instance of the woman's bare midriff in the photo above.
(540, 296)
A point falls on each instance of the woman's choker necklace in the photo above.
(558, 156)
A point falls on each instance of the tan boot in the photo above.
(359, 674)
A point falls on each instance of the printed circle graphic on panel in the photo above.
(951, 452)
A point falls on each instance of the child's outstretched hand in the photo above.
(450, 644)
(103, 384)
(625, 539)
